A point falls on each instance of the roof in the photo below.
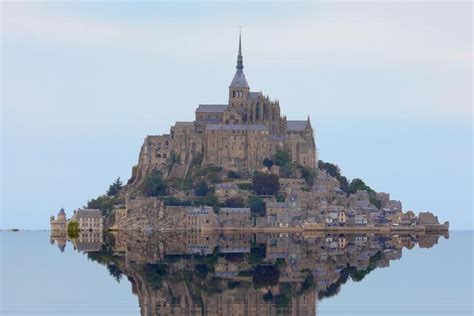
(211, 108)
(239, 80)
(200, 211)
(227, 185)
(243, 210)
(61, 212)
(87, 213)
(184, 124)
(240, 127)
(255, 95)
(296, 125)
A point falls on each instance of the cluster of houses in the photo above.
(323, 205)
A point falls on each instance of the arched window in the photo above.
(164, 155)
(159, 155)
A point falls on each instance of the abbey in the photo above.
(239, 134)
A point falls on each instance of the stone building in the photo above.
(59, 224)
(226, 190)
(239, 134)
(235, 217)
(200, 218)
(88, 219)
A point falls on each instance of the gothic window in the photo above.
(164, 155)
(233, 94)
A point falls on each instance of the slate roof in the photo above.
(225, 185)
(87, 213)
(211, 108)
(296, 125)
(239, 80)
(184, 124)
(255, 95)
(239, 127)
(243, 210)
(200, 211)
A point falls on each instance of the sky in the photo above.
(387, 87)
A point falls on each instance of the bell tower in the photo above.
(239, 88)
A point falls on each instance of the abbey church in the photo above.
(239, 134)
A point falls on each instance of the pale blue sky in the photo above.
(387, 86)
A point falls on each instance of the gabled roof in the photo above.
(87, 213)
(211, 108)
(244, 210)
(296, 125)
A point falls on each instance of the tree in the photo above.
(201, 188)
(257, 206)
(265, 275)
(115, 187)
(233, 175)
(73, 229)
(282, 157)
(268, 163)
(154, 184)
(265, 184)
(236, 201)
(308, 174)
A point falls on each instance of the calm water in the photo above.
(254, 274)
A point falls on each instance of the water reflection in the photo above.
(240, 274)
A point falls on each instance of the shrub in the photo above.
(154, 184)
(282, 157)
(201, 188)
(308, 174)
(245, 186)
(233, 175)
(257, 206)
(265, 275)
(73, 229)
(265, 184)
(234, 202)
(268, 163)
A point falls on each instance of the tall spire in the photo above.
(240, 59)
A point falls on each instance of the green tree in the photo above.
(268, 163)
(265, 184)
(154, 184)
(73, 229)
(282, 157)
(201, 188)
(236, 201)
(233, 175)
(257, 206)
(265, 275)
(308, 174)
(115, 187)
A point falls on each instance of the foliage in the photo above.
(358, 184)
(115, 187)
(115, 272)
(335, 172)
(233, 175)
(233, 284)
(265, 275)
(154, 274)
(265, 184)
(280, 197)
(104, 203)
(173, 201)
(211, 173)
(268, 163)
(282, 157)
(257, 253)
(73, 229)
(288, 170)
(257, 206)
(201, 270)
(308, 174)
(197, 160)
(234, 202)
(245, 186)
(154, 184)
(201, 189)
(210, 199)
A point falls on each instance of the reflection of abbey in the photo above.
(240, 133)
